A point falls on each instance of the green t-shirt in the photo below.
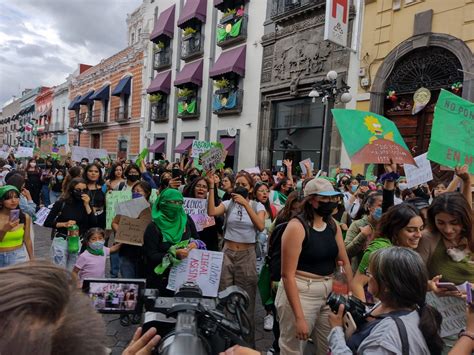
(376, 244)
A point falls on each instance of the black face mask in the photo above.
(165, 182)
(133, 178)
(242, 191)
(77, 194)
(325, 209)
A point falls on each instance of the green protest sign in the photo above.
(371, 138)
(112, 199)
(452, 134)
(142, 156)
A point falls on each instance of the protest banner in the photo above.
(371, 138)
(202, 267)
(131, 230)
(453, 310)
(77, 153)
(255, 170)
(112, 198)
(197, 209)
(61, 139)
(131, 208)
(24, 152)
(199, 147)
(303, 166)
(41, 215)
(418, 175)
(452, 134)
(213, 158)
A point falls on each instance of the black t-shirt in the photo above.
(70, 210)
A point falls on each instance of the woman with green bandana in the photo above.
(166, 239)
(14, 229)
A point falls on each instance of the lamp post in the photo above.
(79, 129)
(331, 92)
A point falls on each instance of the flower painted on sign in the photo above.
(373, 125)
(456, 87)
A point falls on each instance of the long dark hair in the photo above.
(267, 205)
(455, 204)
(271, 181)
(135, 167)
(190, 189)
(8, 195)
(309, 213)
(394, 220)
(146, 188)
(291, 208)
(282, 182)
(114, 167)
(100, 180)
(67, 194)
(368, 201)
(72, 173)
(402, 280)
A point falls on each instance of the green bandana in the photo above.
(6, 188)
(170, 258)
(282, 197)
(95, 252)
(170, 218)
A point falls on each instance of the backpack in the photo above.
(274, 248)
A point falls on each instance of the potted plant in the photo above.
(155, 98)
(185, 93)
(228, 15)
(222, 85)
(188, 32)
(159, 46)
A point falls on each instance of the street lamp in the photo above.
(78, 128)
(331, 92)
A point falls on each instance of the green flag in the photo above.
(371, 138)
(187, 107)
(143, 154)
(452, 134)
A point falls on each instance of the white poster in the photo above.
(303, 166)
(197, 209)
(202, 267)
(41, 215)
(337, 21)
(200, 147)
(418, 175)
(24, 152)
(453, 310)
(255, 170)
(77, 153)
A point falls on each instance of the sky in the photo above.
(42, 41)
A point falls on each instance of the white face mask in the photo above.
(403, 186)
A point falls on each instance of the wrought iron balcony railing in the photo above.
(192, 46)
(162, 58)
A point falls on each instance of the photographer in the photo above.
(399, 279)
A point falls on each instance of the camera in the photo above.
(242, 191)
(352, 305)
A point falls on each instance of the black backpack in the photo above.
(274, 248)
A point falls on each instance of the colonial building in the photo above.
(413, 44)
(27, 118)
(105, 107)
(43, 105)
(59, 124)
(9, 122)
(292, 123)
(202, 68)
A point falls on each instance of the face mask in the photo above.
(354, 188)
(97, 245)
(60, 177)
(136, 195)
(403, 186)
(77, 194)
(33, 165)
(377, 214)
(133, 178)
(325, 209)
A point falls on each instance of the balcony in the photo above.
(286, 9)
(93, 119)
(231, 30)
(188, 107)
(162, 58)
(57, 127)
(121, 115)
(227, 102)
(159, 111)
(192, 46)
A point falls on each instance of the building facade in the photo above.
(43, 108)
(202, 70)
(59, 123)
(413, 44)
(9, 121)
(28, 117)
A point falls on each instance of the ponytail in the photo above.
(430, 324)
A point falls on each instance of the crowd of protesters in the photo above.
(395, 243)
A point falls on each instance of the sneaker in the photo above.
(268, 322)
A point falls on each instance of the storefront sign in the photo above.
(337, 21)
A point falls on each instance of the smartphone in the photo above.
(14, 215)
(364, 183)
(349, 325)
(175, 173)
(117, 296)
(449, 286)
(469, 294)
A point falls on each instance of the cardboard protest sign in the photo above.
(418, 175)
(197, 209)
(453, 310)
(77, 153)
(112, 198)
(131, 208)
(131, 230)
(371, 138)
(199, 147)
(303, 167)
(213, 158)
(24, 152)
(452, 134)
(202, 267)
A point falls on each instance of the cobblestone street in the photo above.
(119, 336)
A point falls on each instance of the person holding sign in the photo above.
(243, 220)
(14, 229)
(164, 236)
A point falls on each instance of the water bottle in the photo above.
(340, 285)
(73, 239)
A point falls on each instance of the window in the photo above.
(132, 38)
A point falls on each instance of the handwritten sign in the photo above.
(212, 158)
(303, 165)
(77, 153)
(41, 215)
(202, 267)
(113, 198)
(197, 209)
(24, 152)
(131, 230)
(453, 310)
(418, 175)
(452, 134)
(132, 208)
(199, 147)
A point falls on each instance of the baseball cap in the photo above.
(319, 186)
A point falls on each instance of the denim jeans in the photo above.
(54, 196)
(45, 195)
(129, 268)
(13, 257)
(60, 255)
(115, 261)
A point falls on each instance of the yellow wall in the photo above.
(385, 28)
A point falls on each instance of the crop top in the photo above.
(319, 252)
(13, 238)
